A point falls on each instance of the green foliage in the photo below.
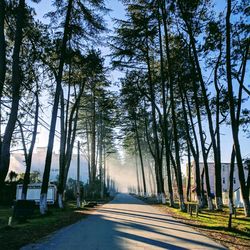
(71, 189)
(86, 22)
(35, 177)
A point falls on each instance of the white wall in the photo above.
(38, 160)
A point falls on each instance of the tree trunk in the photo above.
(71, 137)
(165, 122)
(43, 203)
(157, 154)
(152, 177)
(203, 198)
(234, 123)
(196, 154)
(191, 147)
(62, 151)
(231, 189)
(60, 200)
(204, 94)
(2, 46)
(46, 174)
(100, 156)
(189, 174)
(63, 138)
(169, 176)
(137, 173)
(204, 154)
(156, 169)
(175, 131)
(93, 142)
(78, 193)
(104, 166)
(209, 196)
(140, 155)
(2, 63)
(69, 131)
(64, 131)
(26, 180)
(16, 84)
(88, 152)
(210, 123)
(218, 186)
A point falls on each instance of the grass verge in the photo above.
(214, 225)
(19, 234)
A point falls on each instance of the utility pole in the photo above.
(104, 167)
(137, 172)
(78, 198)
(100, 158)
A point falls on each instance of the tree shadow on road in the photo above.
(150, 226)
(142, 215)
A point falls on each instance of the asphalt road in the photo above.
(126, 223)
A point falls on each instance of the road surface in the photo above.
(126, 223)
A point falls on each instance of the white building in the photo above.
(225, 173)
(17, 164)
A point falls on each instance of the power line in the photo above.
(46, 126)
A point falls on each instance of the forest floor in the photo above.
(38, 226)
(214, 224)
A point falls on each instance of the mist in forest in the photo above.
(124, 174)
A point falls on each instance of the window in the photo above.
(234, 180)
(223, 180)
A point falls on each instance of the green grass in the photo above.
(219, 220)
(20, 234)
(215, 224)
(5, 213)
